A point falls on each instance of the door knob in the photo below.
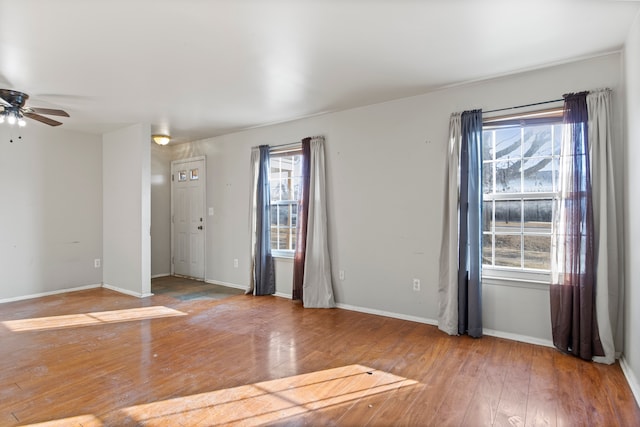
(199, 227)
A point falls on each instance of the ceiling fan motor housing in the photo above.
(13, 97)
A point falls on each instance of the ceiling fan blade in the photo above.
(49, 111)
(43, 119)
(4, 103)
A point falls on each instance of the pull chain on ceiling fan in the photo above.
(14, 111)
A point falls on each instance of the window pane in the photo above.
(536, 141)
(556, 174)
(283, 235)
(508, 251)
(508, 144)
(283, 215)
(274, 187)
(508, 217)
(274, 214)
(508, 177)
(537, 252)
(294, 215)
(293, 239)
(487, 145)
(274, 238)
(538, 215)
(297, 188)
(287, 192)
(487, 241)
(557, 139)
(538, 175)
(487, 216)
(487, 177)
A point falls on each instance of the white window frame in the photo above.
(512, 276)
(284, 151)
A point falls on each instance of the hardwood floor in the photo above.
(100, 358)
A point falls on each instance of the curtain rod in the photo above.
(522, 106)
(281, 146)
(289, 144)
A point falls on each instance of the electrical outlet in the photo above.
(341, 274)
(96, 263)
(416, 284)
(235, 263)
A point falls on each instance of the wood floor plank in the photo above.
(543, 386)
(617, 390)
(482, 409)
(513, 400)
(250, 360)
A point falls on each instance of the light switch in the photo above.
(210, 211)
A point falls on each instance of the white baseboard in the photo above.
(44, 294)
(227, 284)
(387, 314)
(517, 337)
(489, 332)
(155, 276)
(244, 288)
(126, 291)
(631, 379)
(282, 295)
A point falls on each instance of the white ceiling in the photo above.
(197, 68)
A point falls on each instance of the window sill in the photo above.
(534, 279)
(514, 282)
(282, 255)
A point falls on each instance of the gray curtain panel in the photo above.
(606, 227)
(448, 277)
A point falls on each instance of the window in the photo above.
(285, 183)
(520, 185)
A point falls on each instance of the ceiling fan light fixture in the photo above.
(13, 110)
(161, 139)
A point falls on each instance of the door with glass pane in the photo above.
(188, 219)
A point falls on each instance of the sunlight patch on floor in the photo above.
(87, 319)
(254, 404)
(269, 401)
(79, 421)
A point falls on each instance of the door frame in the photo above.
(203, 174)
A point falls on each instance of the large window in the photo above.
(520, 184)
(285, 182)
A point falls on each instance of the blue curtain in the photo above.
(470, 226)
(265, 279)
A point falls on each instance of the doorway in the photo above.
(188, 181)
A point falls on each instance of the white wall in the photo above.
(51, 210)
(160, 210)
(385, 169)
(126, 210)
(632, 210)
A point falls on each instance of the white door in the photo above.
(187, 213)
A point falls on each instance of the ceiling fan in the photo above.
(13, 109)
